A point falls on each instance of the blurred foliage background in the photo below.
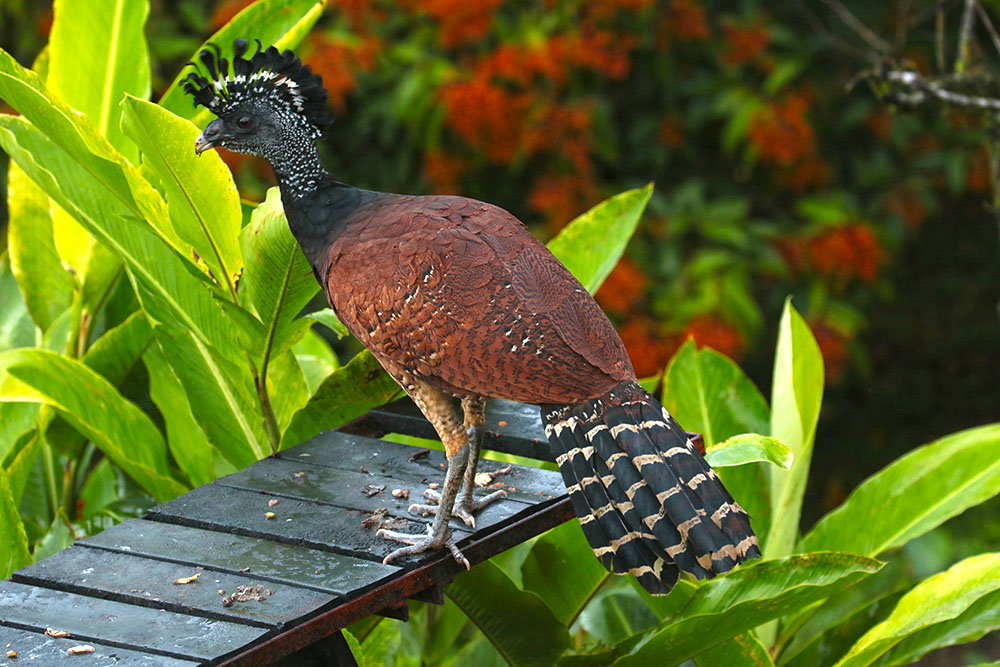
(778, 171)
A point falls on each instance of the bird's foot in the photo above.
(421, 543)
(465, 504)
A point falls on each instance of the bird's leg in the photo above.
(466, 503)
(437, 407)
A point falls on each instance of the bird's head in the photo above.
(262, 102)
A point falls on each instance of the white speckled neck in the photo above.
(297, 165)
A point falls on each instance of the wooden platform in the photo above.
(269, 585)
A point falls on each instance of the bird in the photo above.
(458, 300)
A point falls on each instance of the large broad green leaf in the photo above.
(709, 394)
(591, 245)
(743, 650)
(346, 394)
(828, 630)
(277, 279)
(531, 636)
(47, 286)
(748, 448)
(187, 441)
(13, 540)
(95, 408)
(795, 400)
(563, 549)
(746, 597)
(201, 196)
(287, 387)
(115, 353)
(914, 494)
(169, 288)
(97, 54)
(16, 419)
(221, 395)
(955, 606)
(616, 613)
(283, 23)
(84, 148)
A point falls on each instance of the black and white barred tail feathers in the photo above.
(648, 502)
(276, 76)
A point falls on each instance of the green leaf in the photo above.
(348, 393)
(563, 549)
(201, 196)
(316, 358)
(283, 23)
(743, 650)
(746, 597)
(187, 441)
(287, 387)
(277, 280)
(95, 408)
(221, 395)
(485, 589)
(83, 146)
(914, 494)
(16, 419)
(56, 538)
(329, 319)
(97, 54)
(168, 287)
(591, 245)
(708, 393)
(795, 400)
(13, 540)
(115, 353)
(47, 286)
(616, 613)
(958, 605)
(748, 448)
(16, 327)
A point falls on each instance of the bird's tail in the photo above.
(648, 502)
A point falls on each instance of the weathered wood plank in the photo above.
(117, 623)
(406, 463)
(312, 524)
(291, 564)
(520, 433)
(132, 579)
(349, 489)
(34, 648)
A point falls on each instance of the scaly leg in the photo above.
(437, 407)
(466, 503)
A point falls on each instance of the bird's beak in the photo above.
(210, 137)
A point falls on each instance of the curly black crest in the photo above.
(270, 75)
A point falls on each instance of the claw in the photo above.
(421, 543)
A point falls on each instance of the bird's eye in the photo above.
(243, 123)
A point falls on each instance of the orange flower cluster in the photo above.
(560, 198)
(648, 349)
(906, 203)
(226, 10)
(622, 288)
(443, 172)
(780, 132)
(338, 62)
(847, 252)
(708, 331)
(833, 347)
(686, 21)
(744, 43)
(979, 177)
(462, 21)
(489, 118)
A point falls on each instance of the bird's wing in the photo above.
(462, 295)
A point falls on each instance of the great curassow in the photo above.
(455, 298)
